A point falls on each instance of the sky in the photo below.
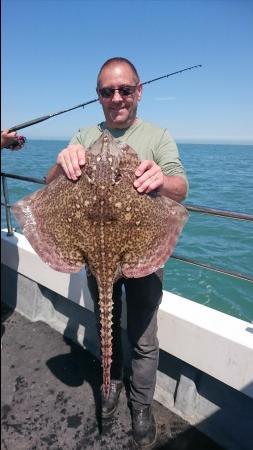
(52, 51)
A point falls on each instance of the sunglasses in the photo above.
(124, 91)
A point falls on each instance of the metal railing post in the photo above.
(7, 207)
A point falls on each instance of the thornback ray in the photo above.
(102, 221)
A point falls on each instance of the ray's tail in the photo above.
(105, 307)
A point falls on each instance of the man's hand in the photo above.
(10, 140)
(70, 159)
(150, 177)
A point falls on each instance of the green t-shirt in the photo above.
(149, 141)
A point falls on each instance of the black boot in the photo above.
(144, 427)
(109, 405)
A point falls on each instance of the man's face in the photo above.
(119, 110)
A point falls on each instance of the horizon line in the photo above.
(182, 140)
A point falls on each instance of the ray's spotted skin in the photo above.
(102, 221)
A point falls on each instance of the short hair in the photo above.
(115, 60)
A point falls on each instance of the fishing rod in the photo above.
(82, 105)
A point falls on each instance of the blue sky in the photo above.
(53, 49)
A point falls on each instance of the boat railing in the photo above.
(189, 207)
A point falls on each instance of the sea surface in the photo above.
(221, 177)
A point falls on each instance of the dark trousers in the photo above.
(143, 296)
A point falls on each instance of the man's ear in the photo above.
(139, 92)
(98, 95)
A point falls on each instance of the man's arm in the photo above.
(174, 187)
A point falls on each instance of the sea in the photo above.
(220, 177)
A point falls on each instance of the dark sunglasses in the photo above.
(124, 91)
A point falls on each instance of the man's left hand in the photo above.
(149, 177)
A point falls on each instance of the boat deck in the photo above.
(50, 397)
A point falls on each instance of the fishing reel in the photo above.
(17, 144)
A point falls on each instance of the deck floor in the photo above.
(50, 397)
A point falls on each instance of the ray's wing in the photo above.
(156, 226)
(54, 220)
(149, 224)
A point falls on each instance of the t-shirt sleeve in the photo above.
(76, 139)
(168, 158)
(86, 136)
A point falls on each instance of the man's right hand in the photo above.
(71, 159)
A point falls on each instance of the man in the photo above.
(119, 91)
